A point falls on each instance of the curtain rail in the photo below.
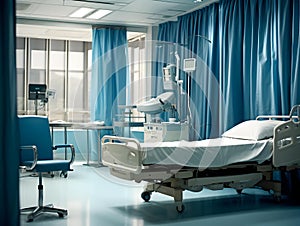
(109, 27)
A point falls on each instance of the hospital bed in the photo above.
(245, 156)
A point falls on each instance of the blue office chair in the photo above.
(36, 155)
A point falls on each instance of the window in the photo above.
(77, 81)
(20, 62)
(63, 66)
(36, 70)
(57, 71)
(137, 74)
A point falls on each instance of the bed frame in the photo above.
(124, 158)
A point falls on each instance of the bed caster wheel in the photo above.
(180, 208)
(60, 215)
(64, 174)
(277, 198)
(146, 195)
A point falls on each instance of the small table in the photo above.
(93, 126)
(64, 125)
(87, 126)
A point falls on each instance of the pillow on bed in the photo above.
(252, 130)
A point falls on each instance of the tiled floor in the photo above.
(93, 197)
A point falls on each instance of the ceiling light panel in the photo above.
(99, 14)
(112, 5)
(81, 12)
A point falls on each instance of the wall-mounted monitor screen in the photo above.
(189, 64)
(37, 91)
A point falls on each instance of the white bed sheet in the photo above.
(207, 153)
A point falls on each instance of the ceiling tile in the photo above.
(54, 10)
(148, 6)
(132, 18)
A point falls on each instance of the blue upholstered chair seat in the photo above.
(50, 165)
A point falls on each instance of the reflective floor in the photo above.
(93, 197)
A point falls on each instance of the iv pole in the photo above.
(179, 87)
(189, 67)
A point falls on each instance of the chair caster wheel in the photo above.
(180, 208)
(146, 196)
(61, 215)
(63, 174)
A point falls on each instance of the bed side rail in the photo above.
(294, 115)
(286, 146)
(121, 153)
(276, 117)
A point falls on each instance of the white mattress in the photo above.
(207, 153)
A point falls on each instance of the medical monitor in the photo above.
(189, 65)
(37, 91)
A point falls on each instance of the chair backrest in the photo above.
(35, 130)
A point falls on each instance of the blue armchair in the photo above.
(36, 155)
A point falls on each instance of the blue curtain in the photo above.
(259, 58)
(109, 73)
(251, 66)
(9, 151)
(109, 77)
